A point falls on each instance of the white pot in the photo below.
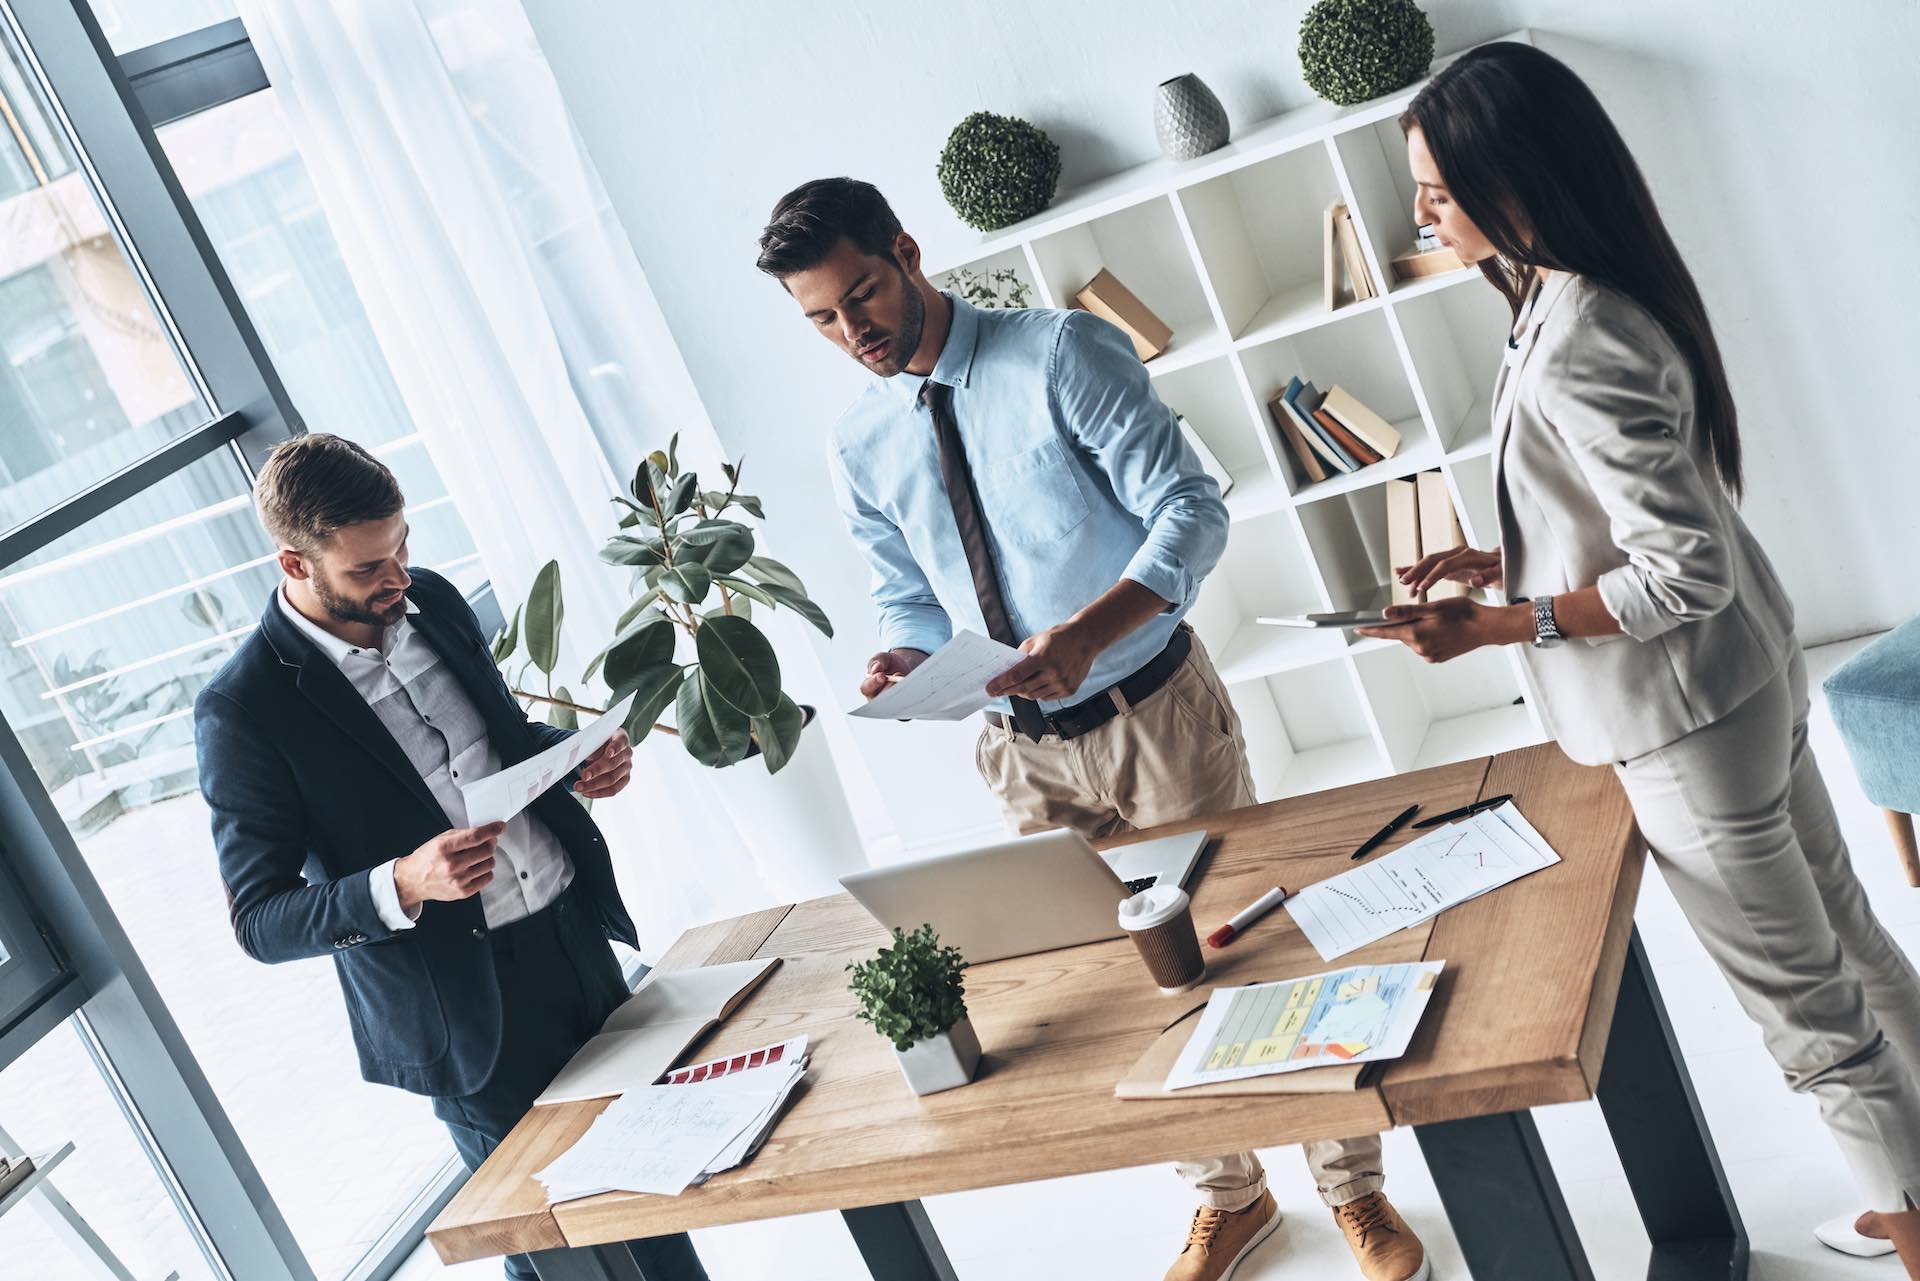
(944, 1061)
(796, 824)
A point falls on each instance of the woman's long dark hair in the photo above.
(1529, 154)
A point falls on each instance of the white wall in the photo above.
(1779, 138)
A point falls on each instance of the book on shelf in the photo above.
(1301, 399)
(1363, 453)
(1416, 263)
(1403, 536)
(1378, 434)
(1311, 470)
(1342, 262)
(1209, 461)
(1439, 528)
(1112, 301)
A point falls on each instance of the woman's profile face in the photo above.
(1432, 203)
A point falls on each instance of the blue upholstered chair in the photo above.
(1875, 696)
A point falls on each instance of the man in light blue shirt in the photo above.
(1012, 472)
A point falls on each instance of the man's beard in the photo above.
(906, 339)
(347, 610)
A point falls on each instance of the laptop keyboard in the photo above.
(1139, 883)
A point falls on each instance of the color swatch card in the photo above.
(1442, 869)
(1347, 1016)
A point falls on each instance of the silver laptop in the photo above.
(1024, 894)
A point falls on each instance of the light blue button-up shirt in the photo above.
(1083, 477)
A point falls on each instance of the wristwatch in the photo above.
(1546, 631)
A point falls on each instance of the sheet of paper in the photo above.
(1442, 869)
(1354, 1015)
(657, 1139)
(950, 686)
(498, 797)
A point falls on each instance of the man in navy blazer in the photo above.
(332, 748)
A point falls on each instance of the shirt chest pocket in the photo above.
(1032, 498)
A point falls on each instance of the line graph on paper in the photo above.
(1440, 870)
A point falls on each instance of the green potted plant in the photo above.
(913, 995)
(688, 638)
(1352, 51)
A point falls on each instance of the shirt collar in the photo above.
(332, 646)
(955, 365)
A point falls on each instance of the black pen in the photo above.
(1465, 811)
(1385, 832)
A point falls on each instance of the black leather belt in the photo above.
(1129, 691)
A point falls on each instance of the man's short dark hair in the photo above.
(315, 485)
(815, 216)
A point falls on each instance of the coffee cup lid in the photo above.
(1155, 905)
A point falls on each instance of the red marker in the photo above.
(1247, 916)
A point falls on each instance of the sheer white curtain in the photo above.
(528, 348)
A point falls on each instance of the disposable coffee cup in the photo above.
(1159, 920)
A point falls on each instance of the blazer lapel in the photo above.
(328, 689)
(1520, 345)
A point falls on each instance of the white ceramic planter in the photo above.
(943, 1062)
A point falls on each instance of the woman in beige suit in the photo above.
(1658, 635)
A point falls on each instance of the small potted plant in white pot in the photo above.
(912, 994)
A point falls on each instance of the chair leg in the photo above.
(1900, 825)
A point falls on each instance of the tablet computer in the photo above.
(1348, 618)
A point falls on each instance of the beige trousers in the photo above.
(1740, 824)
(1175, 756)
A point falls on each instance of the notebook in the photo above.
(653, 1027)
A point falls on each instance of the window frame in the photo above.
(110, 107)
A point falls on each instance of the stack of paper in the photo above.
(1442, 869)
(950, 685)
(665, 1138)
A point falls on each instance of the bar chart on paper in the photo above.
(1446, 867)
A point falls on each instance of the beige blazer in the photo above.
(1598, 481)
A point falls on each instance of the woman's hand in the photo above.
(1461, 564)
(1445, 629)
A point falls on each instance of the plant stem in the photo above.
(581, 707)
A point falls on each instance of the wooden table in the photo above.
(1546, 998)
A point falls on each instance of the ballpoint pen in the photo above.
(1465, 810)
(1373, 841)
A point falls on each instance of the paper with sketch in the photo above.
(1354, 1015)
(950, 686)
(498, 797)
(659, 1138)
(1442, 869)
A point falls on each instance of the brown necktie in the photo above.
(973, 537)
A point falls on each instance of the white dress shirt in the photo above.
(420, 702)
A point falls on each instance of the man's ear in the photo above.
(291, 563)
(906, 252)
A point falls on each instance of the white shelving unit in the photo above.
(1226, 249)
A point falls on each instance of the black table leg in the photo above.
(1502, 1199)
(1665, 1149)
(586, 1263)
(899, 1243)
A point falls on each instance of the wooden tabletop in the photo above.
(1519, 1020)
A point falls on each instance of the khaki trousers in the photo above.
(1740, 824)
(1175, 756)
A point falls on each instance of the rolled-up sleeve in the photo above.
(910, 614)
(1618, 398)
(1104, 400)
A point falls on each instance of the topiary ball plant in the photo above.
(1354, 50)
(996, 170)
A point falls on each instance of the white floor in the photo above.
(1129, 1224)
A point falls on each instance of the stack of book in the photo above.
(1346, 278)
(13, 1172)
(1421, 520)
(1428, 257)
(1332, 433)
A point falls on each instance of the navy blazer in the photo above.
(309, 792)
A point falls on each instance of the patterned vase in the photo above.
(1188, 119)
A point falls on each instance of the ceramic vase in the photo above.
(1188, 119)
(941, 1062)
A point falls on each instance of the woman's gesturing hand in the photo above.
(1461, 564)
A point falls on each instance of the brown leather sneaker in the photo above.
(1219, 1239)
(1383, 1245)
